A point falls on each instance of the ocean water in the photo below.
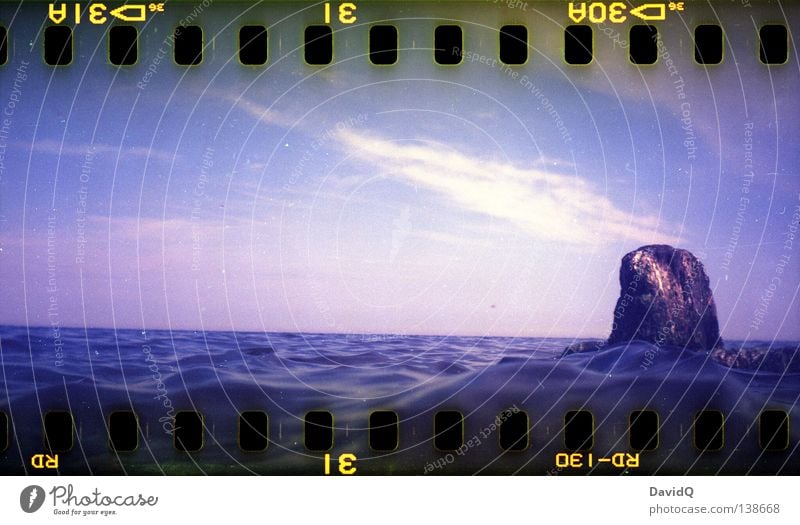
(97, 371)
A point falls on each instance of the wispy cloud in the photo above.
(258, 111)
(547, 205)
(55, 147)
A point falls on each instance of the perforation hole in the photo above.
(58, 46)
(188, 46)
(383, 430)
(643, 46)
(773, 44)
(188, 436)
(448, 45)
(448, 428)
(319, 430)
(383, 45)
(513, 44)
(123, 431)
(773, 430)
(253, 431)
(709, 430)
(708, 44)
(643, 430)
(579, 430)
(123, 47)
(3, 45)
(578, 45)
(58, 431)
(514, 433)
(3, 431)
(318, 46)
(253, 45)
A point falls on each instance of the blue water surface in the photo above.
(220, 374)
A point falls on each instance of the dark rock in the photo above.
(760, 358)
(583, 346)
(665, 299)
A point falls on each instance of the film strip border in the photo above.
(385, 49)
(515, 432)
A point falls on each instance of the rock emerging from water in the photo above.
(766, 358)
(665, 299)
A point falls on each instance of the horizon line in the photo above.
(355, 334)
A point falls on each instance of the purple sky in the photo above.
(410, 199)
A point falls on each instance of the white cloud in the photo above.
(55, 147)
(549, 206)
(258, 111)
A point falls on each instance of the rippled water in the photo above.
(97, 371)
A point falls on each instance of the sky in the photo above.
(475, 199)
